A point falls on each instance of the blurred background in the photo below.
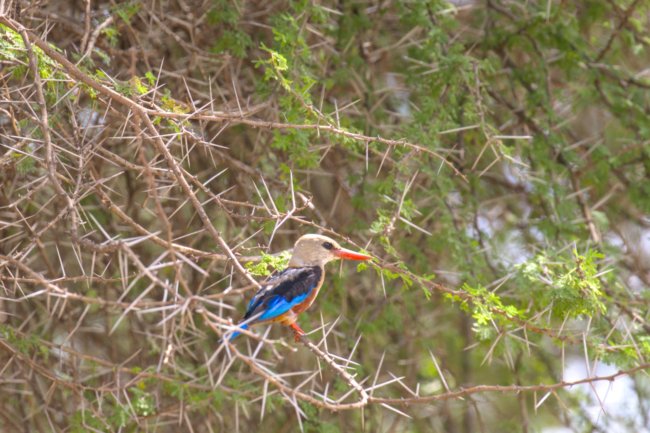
(494, 156)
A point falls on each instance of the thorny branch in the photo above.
(323, 401)
(106, 222)
(182, 176)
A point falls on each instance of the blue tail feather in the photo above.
(237, 333)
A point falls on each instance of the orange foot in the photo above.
(297, 332)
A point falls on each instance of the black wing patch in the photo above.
(291, 284)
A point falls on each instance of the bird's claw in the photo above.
(297, 332)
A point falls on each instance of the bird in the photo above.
(291, 291)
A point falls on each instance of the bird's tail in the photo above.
(237, 333)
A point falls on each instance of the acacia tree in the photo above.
(158, 159)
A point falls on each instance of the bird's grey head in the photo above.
(317, 250)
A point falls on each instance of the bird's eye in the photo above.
(328, 245)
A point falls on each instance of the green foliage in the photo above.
(127, 10)
(232, 40)
(83, 420)
(268, 264)
(274, 66)
(30, 345)
(487, 310)
(569, 284)
(171, 104)
(139, 86)
(313, 424)
(12, 47)
(143, 402)
(26, 164)
(11, 43)
(150, 78)
(112, 35)
(120, 417)
(494, 157)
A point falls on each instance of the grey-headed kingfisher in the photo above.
(290, 292)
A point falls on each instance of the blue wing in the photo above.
(283, 292)
(277, 305)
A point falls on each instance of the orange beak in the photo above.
(350, 255)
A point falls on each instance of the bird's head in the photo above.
(316, 250)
